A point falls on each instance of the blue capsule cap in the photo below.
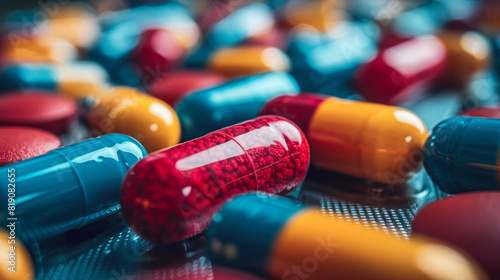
(247, 226)
(238, 100)
(29, 76)
(462, 154)
(71, 186)
(240, 25)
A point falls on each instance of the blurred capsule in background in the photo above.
(178, 83)
(475, 230)
(461, 154)
(41, 110)
(398, 73)
(37, 50)
(71, 186)
(468, 53)
(19, 143)
(279, 239)
(74, 80)
(492, 112)
(128, 111)
(235, 101)
(322, 15)
(325, 63)
(173, 194)
(17, 264)
(251, 20)
(248, 60)
(366, 140)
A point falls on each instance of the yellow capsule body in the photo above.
(321, 15)
(248, 60)
(15, 259)
(38, 50)
(125, 110)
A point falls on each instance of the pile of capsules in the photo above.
(194, 118)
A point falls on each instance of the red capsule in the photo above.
(46, 111)
(157, 50)
(397, 73)
(19, 143)
(178, 83)
(174, 193)
(484, 112)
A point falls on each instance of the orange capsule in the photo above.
(128, 111)
(15, 259)
(321, 14)
(248, 60)
(38, 50)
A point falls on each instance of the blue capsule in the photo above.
(461, 155)
(68, 187)
(238, 100)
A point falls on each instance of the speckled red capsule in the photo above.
(157, 49)
(174, 193)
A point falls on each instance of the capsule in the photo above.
(372, 141)
(277, 238)
(126, 110)
(46, 111)
(73, 80)
(492, 112)
(235, 101)
(468, 53)
(248, 21)
(68, 187)
(461, 154)
(20, 143)
(17, 263)
(37, 50)
(178, 83)
(398, 73)
(248, 60)
(173, 194)
(321, 15)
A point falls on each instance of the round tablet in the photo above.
(45, 111)
(470, 222)
(19, 143)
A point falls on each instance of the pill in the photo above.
(235, 101)
(69, 187)
(248, 60)
(157, 49)
(178, 83)
(17, 264)
(484, 112)
(20, 143)
(320, 15)
(37, 50)
(398, 73)
(128, 111)
(74, 80)
(251, 20)
(475, 230)
(461, 154)
(41, 110)
(277, 238)
(468, 53)
(174, 193)
(367, 140)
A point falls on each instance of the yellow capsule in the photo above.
(15, 259)
(128, 111)
(74, 23)
(248, 60)
(321, 14)
(38, 50)
(468, 53)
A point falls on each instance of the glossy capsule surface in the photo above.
(248, 60)
(235, 101)
(21, 260)
(173, 194)
(279, 239)
(372, 141)
(73, 80)
(396, 74)
(126, 110)
(69, 187)
(461, 154)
